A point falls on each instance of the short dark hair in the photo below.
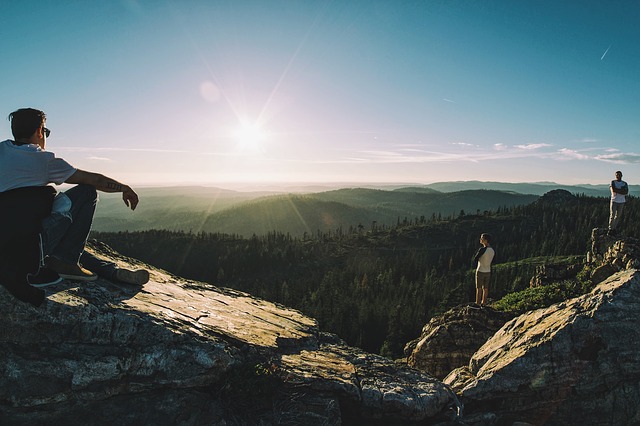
(487, 237)
(25, 122)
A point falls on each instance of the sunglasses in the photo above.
(46, 131)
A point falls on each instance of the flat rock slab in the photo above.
(163, 351)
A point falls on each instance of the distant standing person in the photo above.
(484, 256)
(619, 190)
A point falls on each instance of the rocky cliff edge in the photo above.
(575, 362)
(176, 351)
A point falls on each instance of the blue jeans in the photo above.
(66, 229)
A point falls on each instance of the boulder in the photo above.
(602, 272)
(610, 254)
(576, 362)
(449, 340)
(175, 351)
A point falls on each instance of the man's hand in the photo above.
(106, 184)
(129, 197)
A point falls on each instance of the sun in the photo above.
(250, 138)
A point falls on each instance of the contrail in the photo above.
(605, 52)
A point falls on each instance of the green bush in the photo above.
(539, 297)
(584, 277)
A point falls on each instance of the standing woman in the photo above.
(484, 257)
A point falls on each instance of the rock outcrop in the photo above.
(557, 197)
(449, 340)
(610, 254)
(181, 352)
(576, 362)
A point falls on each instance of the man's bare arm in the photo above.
(105, 184)
(624, 190)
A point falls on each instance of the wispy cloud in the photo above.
(571, 154)
(499, 151)
(449, 100)
(533, 146)
(614, 156)
(412, 150)
(619, 158)
(379, 157)
(409, 153)
(115, 149)
(81, 149)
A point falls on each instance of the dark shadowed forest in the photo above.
(376, 286)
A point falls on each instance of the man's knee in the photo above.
(84, 193)
(90, 192)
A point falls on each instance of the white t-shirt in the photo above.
(29, 165)
(484, 263)
(615, 197)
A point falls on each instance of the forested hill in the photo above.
(298, 214)
(377, 286)
(351, 209)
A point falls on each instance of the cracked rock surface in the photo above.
(175, 351)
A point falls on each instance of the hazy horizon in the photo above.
(195, 92)
(328, 186)
(348, 183)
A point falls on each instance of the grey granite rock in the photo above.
(449, 340)
(576, 362)
(181, 352)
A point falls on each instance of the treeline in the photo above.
(377, 286)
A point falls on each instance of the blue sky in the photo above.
(214, 92)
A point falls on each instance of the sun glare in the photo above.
(250, 138)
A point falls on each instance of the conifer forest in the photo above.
(377, 286)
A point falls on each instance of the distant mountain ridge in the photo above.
(536, 188)
(246, 214)
(299, 209)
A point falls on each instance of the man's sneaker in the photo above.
(137, 277)
(44, 277)
(70, 271)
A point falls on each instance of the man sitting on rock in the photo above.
(24, 162)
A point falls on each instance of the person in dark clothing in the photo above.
(24, 163)
(21, 271)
